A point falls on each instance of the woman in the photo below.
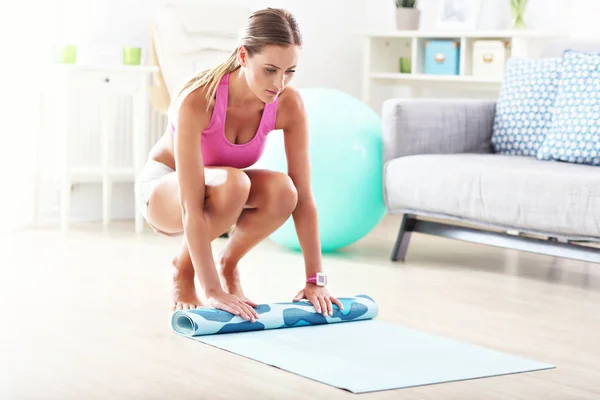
(218, 125)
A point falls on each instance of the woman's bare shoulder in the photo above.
(290, 107)
(195, 106)
(196, 100)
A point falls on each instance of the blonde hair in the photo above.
(269, 26)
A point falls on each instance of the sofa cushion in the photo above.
(574, 134)
(525, 105)
(515, 192)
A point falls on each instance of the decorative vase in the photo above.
(407, 18)
(518, 11)
(519, 22)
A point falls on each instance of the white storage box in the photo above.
(489, 58)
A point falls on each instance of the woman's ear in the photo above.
(242, 56)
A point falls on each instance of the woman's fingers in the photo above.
(316, 303)
(320, 305)
(329, 306)
(250, 302)
(299, 296)
(248, 311)
(336, 301)
(324, 309)
(232, 309)
(250, 308)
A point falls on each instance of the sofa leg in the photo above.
(552, 247)
(401, 246)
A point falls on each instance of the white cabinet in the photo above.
(68, 85)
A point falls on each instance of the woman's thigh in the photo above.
(164, 206)
(271, 189)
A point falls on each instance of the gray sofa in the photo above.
(441, 173)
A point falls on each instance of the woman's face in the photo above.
(270, 71)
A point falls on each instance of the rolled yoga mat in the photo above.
(209, 321)
(350, 350)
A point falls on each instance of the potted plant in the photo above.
(407, 15)
(518, 10)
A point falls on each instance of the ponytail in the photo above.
(208, 79)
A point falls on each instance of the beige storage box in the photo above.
(489, 58)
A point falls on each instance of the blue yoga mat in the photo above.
(209, 321)
(350, 350)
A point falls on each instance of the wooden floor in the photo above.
(86, 316)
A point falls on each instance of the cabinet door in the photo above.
(117, 82)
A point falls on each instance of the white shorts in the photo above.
(154, 171)
(145, 182)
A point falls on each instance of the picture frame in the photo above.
(458, 15)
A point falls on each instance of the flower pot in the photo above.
(407, 18)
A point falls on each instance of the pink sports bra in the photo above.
(217, 150)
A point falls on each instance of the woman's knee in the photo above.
(237, 186)
(284, 196)
(163, 211)
(233, 193)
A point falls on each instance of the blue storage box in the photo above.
(442, 57)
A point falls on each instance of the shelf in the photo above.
(433, 78)
(106, 68)
(401, 58)
(498, 34)
(95, 174)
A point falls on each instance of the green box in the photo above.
(132, 55)
(405, 65)
(67, 54)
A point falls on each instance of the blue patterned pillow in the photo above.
(574, 134)
(525, 104)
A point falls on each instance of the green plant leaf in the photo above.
(405, 3)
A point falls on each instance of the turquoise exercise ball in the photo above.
(346, 168)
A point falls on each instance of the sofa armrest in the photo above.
(433, 126)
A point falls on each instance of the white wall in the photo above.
(584, 17)
(495, 14)
(25, 30)
(109, 24)
(100, 29)
(321, 23)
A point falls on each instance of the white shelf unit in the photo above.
(383, 51)
(67, 87)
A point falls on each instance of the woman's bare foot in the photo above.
(230, 279)
(184, 289)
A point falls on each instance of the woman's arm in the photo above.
(191, 121)
(295, 128)
(298, 162)
(190, 175)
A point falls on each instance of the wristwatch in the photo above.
(319, 279)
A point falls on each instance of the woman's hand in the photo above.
(319, 297)
(233, 304)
